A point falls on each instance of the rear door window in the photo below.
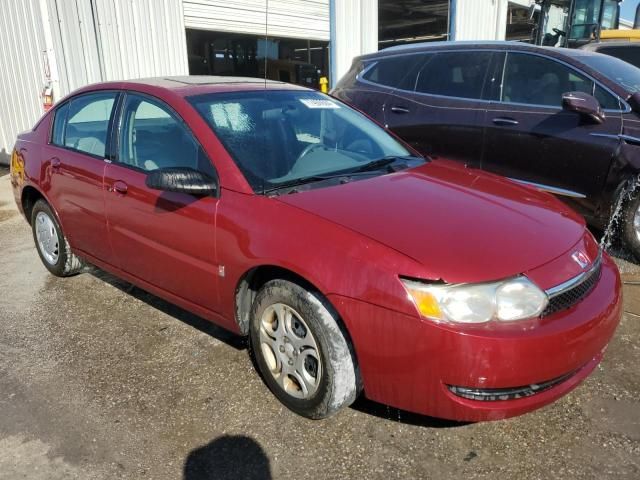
(395, 72)
(87, 126)
(454, 74)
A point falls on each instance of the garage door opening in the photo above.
(410, 21)
(291, 60)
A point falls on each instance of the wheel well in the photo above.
(30, 196)
(251, 283)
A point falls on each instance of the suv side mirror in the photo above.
(584, 104)
(182, 180)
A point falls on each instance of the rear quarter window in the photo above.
(395, 72)
(59, 123)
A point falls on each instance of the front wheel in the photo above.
(51, 243)
(301, 351)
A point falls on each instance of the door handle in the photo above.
(505, 121)
(55, 163)
(396, 109)
(119, 187)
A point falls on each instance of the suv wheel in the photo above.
(300, 350)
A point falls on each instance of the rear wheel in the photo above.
(301, 351)
(51, 243)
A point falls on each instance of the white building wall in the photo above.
(21, 58)
(308, 19)
(482, 19)
(145, 38)
(86, 41)
(354, 31)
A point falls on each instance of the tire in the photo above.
(308, 341)
(629, 227)
(51, 243)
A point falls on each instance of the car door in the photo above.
(75, 161)
(440, 113)
(530, 137)
(378, 79)
(164, 238)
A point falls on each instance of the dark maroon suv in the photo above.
(566, 121)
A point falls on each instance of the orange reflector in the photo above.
(426, 303)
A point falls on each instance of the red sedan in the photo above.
(353, 264)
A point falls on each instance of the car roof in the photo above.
(189, 85)
(489, 45)
(572, 56)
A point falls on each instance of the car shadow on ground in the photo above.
(199, 323)
(362, 405)
(369, 407)
(228, 457)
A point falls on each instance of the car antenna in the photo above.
(266, 40)
(266, 50)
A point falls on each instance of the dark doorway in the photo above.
(234, 54)
(410, 21)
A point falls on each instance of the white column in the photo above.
(49, 53)
(354, 31)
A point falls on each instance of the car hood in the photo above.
(460, 224)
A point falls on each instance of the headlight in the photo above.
(514, 299)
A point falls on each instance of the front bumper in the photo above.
(410, 363)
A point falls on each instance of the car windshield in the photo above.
(629, 53)
(280, 137)
(619, 71)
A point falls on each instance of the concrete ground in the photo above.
(100, 380)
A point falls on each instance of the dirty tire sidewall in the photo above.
(67, 264)
(629, 238)
(339, 383)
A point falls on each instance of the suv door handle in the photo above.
(397, 109)
(505, 121)
(119, 187)
(55, 163)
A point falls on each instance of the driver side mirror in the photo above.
(583, 104)
(182, 180)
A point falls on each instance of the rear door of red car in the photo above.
(440, 111)
(164, 238)
(75, 161)
(530, 137)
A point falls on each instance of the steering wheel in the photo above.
(559, 32)
(308, 149)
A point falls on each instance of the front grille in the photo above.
(568, 297)
(501, 394)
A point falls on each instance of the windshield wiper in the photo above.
(311, 179)
(378, 164)
(366, 169)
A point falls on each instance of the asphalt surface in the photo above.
(100, 380)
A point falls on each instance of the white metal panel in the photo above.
(307, 19)
(480, 19)
(141, 38)
(101, 40)
(74, 42)
(354, 31)
(21, 57)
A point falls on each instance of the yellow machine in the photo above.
(620, 35)
(573, 23)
